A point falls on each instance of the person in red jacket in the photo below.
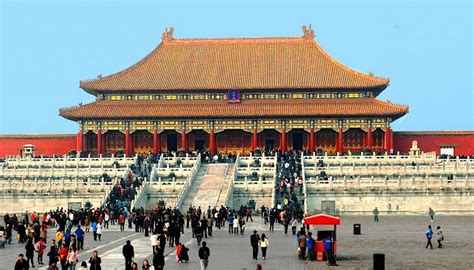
(62, 256)
(40, 246)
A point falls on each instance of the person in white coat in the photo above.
(263, 243)
(99, 231)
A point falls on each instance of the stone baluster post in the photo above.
(174, 183)
(10, 184)
(22, 184)
(379, 167)
(399, 182)
(426, 182)
(466, 184)
(331, 182)
(62, 184)
(50, 180)
(246, 182)
(413, 182)
(89, 184)
(260, 182)
(160, 183)
(341, 168)
(454, 182)
(441, 183)
(76, 184)
(358, 182)
(28, 170)
(372, 181)
(344, 181)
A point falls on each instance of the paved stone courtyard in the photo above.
(401, 238)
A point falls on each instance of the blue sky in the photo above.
(47, 47)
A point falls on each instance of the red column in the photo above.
(99, 142)
(156, 142)
(132, 149)
(80, 145)
(388, 142)
(104, 144)
(311, 140)
(340, 141)
(283, 140)
(127, 142)
(183, 140)
(212, 141)
(254, 139)
(368, 140)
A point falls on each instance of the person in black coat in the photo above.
(95, 261)
(22, 232)
(204, 254)
(254, 238)
(159, 260)
(53, 253)
(21, 263)
(128, 254)
(30, 251)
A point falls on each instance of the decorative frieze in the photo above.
(244, 96)
(141, 125)
(113, 125)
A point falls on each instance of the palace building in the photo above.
(234, 95)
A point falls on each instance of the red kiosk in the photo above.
(323, 219)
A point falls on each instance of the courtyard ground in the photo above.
(400, 238)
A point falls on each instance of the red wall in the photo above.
(45, 144)
(428, 141)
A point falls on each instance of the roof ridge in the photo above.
(176, 41)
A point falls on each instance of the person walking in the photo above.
(159, 260)
(40, 246)
(431, 213)
(302, 245)
(376, 214)
(429, 235)
(128, 254)
(99, 231)
(79, 232)
(310, 246)
(263, 243)
(94, 229)
(72, 258)
(254, 238)
(53, 253)
(439, 232)
(204, 254)
(62, 256)
(95, 261)
(21, 263)
(30, 251)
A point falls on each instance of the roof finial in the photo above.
(99, 76)
(308, 33)
(167, 35)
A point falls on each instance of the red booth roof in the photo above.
(322, 219)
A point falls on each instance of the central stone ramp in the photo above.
(210, 186)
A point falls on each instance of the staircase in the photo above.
(193, 189)
(210, 186)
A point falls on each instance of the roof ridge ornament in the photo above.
(167, 35)
(308, 33)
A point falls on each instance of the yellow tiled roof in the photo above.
(236, 63)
